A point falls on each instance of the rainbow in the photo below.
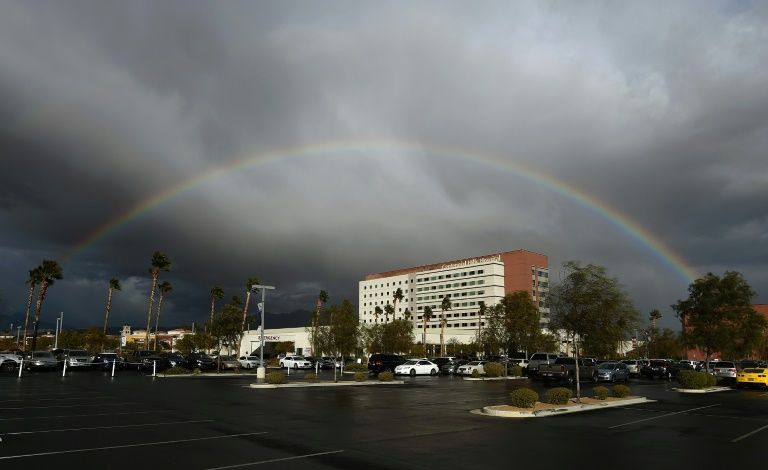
(623, 223)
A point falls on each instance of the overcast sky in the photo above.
(657, 109)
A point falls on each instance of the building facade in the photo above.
(466, 282)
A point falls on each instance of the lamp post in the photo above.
(18, 333)
(59, 325)
(261, 372)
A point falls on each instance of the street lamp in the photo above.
(59, 325)
(261, 372)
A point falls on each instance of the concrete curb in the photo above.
(702, 390)
(326, 384)
(493, 411)
(226, 375)
(480, 379)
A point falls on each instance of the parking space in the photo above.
(93, 421)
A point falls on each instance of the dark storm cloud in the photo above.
(657, 110)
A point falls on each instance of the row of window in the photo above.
(376, 286)
(448, 286)
(376, 294)
(448, 325)
(449, 276)
(542, 284)
(539, 273)
(462, 294)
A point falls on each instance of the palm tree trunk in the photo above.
(157, 320)
(38, 309)
(109, 307)
(424, 336)
(149, 312)
(245, 310)
(442, 342)
(26, 315)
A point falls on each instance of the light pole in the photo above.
(59, 325)
(18, 333)
(261, 372)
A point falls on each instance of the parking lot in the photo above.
(88, 420)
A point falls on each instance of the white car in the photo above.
(295, 362)
(249, 362)
(417, 367)
(470, 367)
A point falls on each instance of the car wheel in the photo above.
(613, 378)
(413, 372)
(595, 379)
(433, 372)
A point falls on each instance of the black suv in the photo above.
(659, 368)
(200, 361)
(384, 362)
(145, 361)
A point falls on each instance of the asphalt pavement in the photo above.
(89, 420)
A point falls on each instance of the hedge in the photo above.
(475, 373)
(493, 369)
(695, 380)
(361, 376)
(386, 376)
(557, 396)
(355, 367)
(310, 376)
(177, 371)
(276, 378)
(523, 398)
(601, 393)
(516, 371)
(620, 391)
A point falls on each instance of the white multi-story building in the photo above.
(466, 282)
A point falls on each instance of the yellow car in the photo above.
(752, 376)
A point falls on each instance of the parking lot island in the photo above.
(543, 410)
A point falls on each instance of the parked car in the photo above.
(452, 366)
(564, 370)
(230, 363)
(104, 360)
(142, 360)
(540, 358)
(414, 367)
(384, 362)
(659, 368)
(470, 367)
(725, 370)
(9, 361)
(40, 360)
(175, 359)
(749, 364)
(200, 361)
(611, 372)
(752, 376)
(295, 362)
(249, 362)
(327, 362)
(633, 366)
(441, 361)
(75, 358)
(519, 362)
(702, 365)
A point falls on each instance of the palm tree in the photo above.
(249, 283)
(480, 312)
(377, 313)
(33, 280)
(160, 262)
(397, 296)
(444, 305)
(653, 316)
(217, 293)
(389, 310)
(114, 284)
(407, 314)
(427, 316)
(49, 271)
(164, 288)
(322, 298)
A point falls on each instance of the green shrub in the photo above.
(601, 393)
(557, 396)
(274, 362)
(361, 376)
(310, 376)
(711, 380)
(386, 376)
(516, 371)
(695, 380)
(493, 369)
(197, 371)
(621, 391)
(276, 378)
(523, 398)
(355, 367)
(475, 373)
(176, 371)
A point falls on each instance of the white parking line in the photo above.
(69, 406)
(662, 416)
(52, 399)
(126, 446)
(750, 433)
(81, 416)
(107, 427)
(260, 462)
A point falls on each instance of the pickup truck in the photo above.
(564, 370)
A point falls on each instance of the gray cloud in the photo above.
(657, 109)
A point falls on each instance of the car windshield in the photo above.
(410, 363)
(726, 365)
(754, 371)
(77, 352)
(475, 363)
(299, 358)
(42, 354)
(538, 357)
(607, 365)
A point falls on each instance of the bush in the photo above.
(558, 396)
(475, 373)
(176, 371)
(523, 398)
(310, 376)
(274, 362)
(516, 371)
(621, 391)
(361, 376)
(694, 380)
(601, 393)
(386, 376)
(493, 369)
(711, 380)
(355, 367)
(276, 378)
(197, 371)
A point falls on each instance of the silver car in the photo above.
(725, 370)
(611, 372)
(76, 358)
(40, 360)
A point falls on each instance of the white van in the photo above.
(540, 358)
